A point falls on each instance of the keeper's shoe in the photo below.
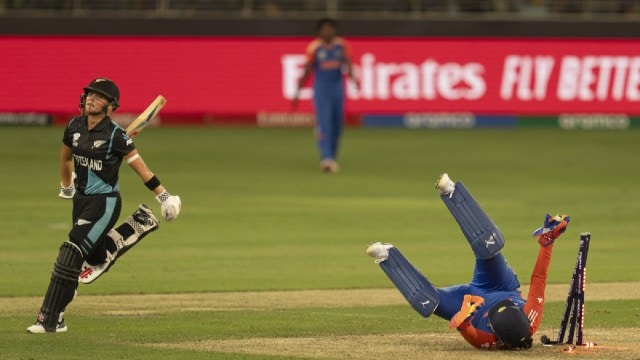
(379, 251)
(445, 185)
(553, 227)
(329, 166)
(38, 326)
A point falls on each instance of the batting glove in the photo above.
(170, 205)
(469, 306)
(67, 192)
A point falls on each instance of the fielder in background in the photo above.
(328, 57)
(489, 312)
(95, 146)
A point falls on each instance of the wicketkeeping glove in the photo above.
(469, 306)
(553, 227)
(170, 205)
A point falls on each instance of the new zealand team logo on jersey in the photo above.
(98, 143)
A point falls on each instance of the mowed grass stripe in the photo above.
(260, 300)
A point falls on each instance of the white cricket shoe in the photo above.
(379, 250)
(445, 185)
(329, 166)
(38, 327)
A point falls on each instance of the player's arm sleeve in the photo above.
(308, 67)
(122, 144)
(66, 135)
(346, 61)
(478, 338)
(535, 299)
(66, 168)
(311, 50)
(347, 49)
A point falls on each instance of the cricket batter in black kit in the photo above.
(94, 147)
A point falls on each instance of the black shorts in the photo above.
(93, 217)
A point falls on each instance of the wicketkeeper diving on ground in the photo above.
(94, 148)
(489, 311)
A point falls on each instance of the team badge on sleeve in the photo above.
(127, 139)
(76, 136)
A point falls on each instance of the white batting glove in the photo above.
(170, 205)
(68, 192)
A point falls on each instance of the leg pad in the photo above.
(119, 241)
(413, 285)
(483, 235)
(63, 284)
(136, 227)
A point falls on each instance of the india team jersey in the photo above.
(97, 154)
(327, 61)
(477, 330)
(481, 320)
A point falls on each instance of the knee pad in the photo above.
(483, 235)
(413, 285)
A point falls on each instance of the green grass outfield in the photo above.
(259, 216)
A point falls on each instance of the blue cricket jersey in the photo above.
(327, 62)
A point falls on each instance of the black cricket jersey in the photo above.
(97, 154)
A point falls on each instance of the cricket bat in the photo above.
(147, 115)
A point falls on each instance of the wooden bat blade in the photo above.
(147, 115)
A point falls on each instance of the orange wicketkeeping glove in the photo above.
(469, 306)
(553, 227)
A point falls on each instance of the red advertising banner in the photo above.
(247, 76)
